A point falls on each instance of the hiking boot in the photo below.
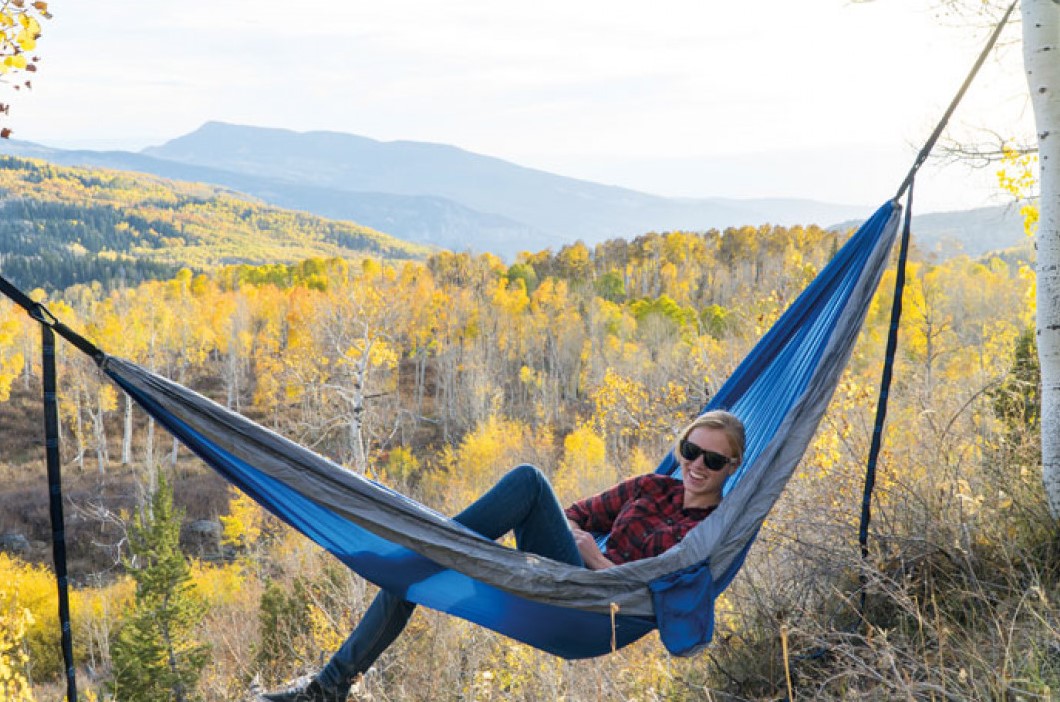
(306, 690)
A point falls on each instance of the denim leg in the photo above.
(385, 618)
(522, 502)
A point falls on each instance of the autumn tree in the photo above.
(19, 30)
(14, 619)
(355, 330)
(11, 359)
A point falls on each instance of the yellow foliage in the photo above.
(33, 587)
(1018, 177)
(241, 527)
(485, 454)
(93, 612)
(218, 585)
(19, 31)
(584, 469)
(14, 655)
(108, 398)
(511, 298)
(401, 464)
(11, 359)
(1028, 309)
(327, 634)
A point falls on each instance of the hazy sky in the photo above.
(820, 99)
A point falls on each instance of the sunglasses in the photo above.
(711, 459)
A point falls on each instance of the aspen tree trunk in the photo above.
(1041, 59)
(79, 432)
(99, 432)
(126, 439)
(360, 456)
(149, 457)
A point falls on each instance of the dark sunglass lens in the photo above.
(715, 461)
(711, 459)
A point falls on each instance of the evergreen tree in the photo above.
(155, 655)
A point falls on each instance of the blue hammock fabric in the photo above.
(780, 391)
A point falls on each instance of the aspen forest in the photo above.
(434, 372)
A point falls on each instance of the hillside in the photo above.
(62, 225)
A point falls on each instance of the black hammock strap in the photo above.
(55, 500)
(49, 326)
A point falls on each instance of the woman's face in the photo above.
(703, 485)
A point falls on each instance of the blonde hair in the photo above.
(725, 422)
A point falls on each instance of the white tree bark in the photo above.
(126, 437)
(1041, 58)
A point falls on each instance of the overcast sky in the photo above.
(820, 99)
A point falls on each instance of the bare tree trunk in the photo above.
(99, 431)
(356, 426)
(126, 440)
(1041, 59)
(79, 432)
(421, 379)
(149, 457)
(28, 353)
(149, 442)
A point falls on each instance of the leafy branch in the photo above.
(19, 30)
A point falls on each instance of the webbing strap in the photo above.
(885, 387)
(55, 491)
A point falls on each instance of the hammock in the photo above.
(780, 391)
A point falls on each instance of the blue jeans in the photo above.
(521, 502)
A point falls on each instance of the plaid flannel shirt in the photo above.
(645, 516)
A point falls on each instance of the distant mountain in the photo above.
(972, 232)
(444, 196)
(564, 208)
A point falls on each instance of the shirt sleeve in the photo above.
(597, 513)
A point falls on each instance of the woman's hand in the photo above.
(590, 552)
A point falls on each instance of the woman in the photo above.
(645, 516)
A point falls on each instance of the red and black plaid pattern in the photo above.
(645, 516)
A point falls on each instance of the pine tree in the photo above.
(155, 655)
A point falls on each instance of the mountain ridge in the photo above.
(444, 196)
